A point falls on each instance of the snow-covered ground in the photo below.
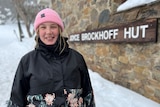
(107, 94)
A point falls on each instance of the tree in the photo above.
(26, 11)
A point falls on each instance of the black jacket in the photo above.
(44, 71)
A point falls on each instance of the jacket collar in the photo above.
(53, 51)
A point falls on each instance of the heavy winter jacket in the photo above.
(46, 78)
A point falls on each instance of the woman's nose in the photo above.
(48, 30)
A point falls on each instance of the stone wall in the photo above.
(132, 65)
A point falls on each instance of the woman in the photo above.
(52, 75)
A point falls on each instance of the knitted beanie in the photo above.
(48, 15)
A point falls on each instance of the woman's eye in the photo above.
(42, 27)
(53, 26)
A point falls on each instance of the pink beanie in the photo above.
(48, 15)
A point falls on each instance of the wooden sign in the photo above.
(138, 31)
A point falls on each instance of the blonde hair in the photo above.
(61, 41)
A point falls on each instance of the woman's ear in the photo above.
(37, 31)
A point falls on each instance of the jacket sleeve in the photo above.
(19, 88)
(87, 94)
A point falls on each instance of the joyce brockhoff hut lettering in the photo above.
(139, 31)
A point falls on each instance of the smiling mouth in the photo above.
(50, 38)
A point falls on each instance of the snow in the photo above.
(107, 94)
(133, 3)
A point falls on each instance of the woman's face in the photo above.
(48, 33)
